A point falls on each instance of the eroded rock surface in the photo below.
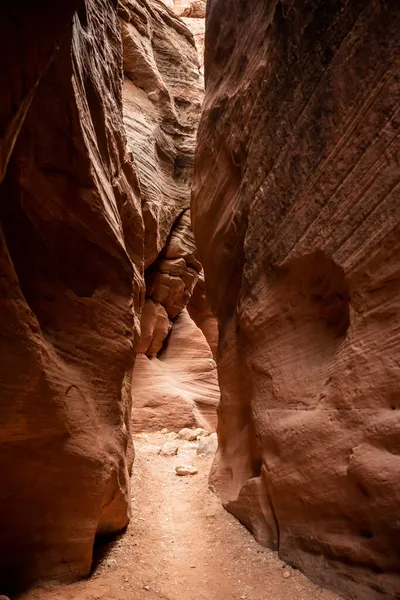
(193, 14)
(176, 385)
(200, 311)
(98, 116)
(71, 281)
(162, 99)
(296, 215)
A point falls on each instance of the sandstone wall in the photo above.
(82, 215)
(162, 99)
(296, 214)
(193, 14)
(71, 279)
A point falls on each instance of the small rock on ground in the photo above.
(200, 432)
(185, 470)
(168, 449)
(286, 574)
(187, 434)
(208, 446)
(164, 431)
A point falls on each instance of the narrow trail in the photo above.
(182, 544)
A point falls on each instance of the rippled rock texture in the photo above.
(296, 214)
(173, 385)
(193, 14)
(71, 278)
(82, 216)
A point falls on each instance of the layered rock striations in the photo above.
(175, 378)
(200, 311)
(192, 13)
(296, 214)
(71, 282)
(98, 116)
(162, 101)
(178, 387)
(83, 213)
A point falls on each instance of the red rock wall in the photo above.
(178, 387)
(162, 97)
(296, 214)
(98, 119)
(71, 280)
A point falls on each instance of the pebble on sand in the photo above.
(168, 449)
(187, 434)
(185, 470)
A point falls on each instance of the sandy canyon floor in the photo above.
(182, 544)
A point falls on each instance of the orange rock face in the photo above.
(178, 387)
(296, 214)
(200, 311)
(162, 100)
(71, 279)
(98, 117)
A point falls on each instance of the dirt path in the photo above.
(182, 544)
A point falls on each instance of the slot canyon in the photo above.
(200, 300)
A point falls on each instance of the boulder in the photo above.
(187, 434)
(200, 432)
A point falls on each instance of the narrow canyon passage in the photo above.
(182, 544)
(200, 229)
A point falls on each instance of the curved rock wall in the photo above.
(296, 214)
(162, 101)
(95, 185)
(71, 281)
(193, 14)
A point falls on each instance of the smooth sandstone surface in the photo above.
(71, 280)
(296, 214)
(200, 311)
(178, 387)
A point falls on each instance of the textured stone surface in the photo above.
(192, 13)
(200, 311)
(207, 445)
(168, 449)
(190, 8)
(183, 470)
(171, 279)
(296, 214)
(21, 70)
(83, 217)
(187, 8)
(179, 387)
(162, 100)
(71, 262)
